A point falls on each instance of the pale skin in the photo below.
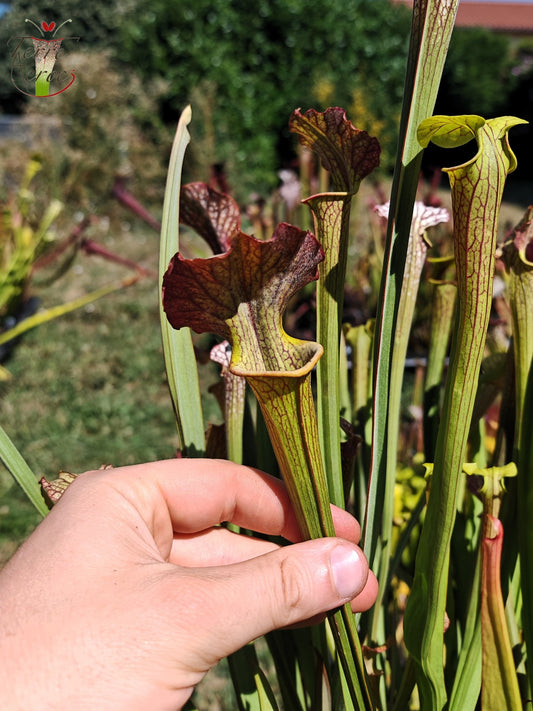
(129, 591)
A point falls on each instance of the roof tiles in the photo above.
(505, 17)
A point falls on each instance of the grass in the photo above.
(89, 388)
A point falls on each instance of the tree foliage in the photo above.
(478, 77)
(246, 66)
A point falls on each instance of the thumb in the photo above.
(277, 589)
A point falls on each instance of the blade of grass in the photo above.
(21, 472)
(180, 361)
(57, 311)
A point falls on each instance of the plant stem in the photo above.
(288, 409)
(331, 213)
(443, 305)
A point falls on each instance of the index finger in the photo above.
(201, 493)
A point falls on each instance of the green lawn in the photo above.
(89, 388)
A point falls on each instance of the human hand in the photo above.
(129, 591)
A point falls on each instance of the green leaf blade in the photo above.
(21, 472)
(178, 349)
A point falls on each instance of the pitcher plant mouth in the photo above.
(336, 195)
(303, 354)
(241, 295)
(348, 153)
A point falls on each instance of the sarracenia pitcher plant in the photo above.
(449, 646)
(349, 155)
(241, 295)
(477, 189)
(499, 687)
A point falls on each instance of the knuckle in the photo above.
(294, 586)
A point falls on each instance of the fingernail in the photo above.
(348, 571)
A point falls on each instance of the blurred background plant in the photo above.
(24, 237)
(107, 125)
